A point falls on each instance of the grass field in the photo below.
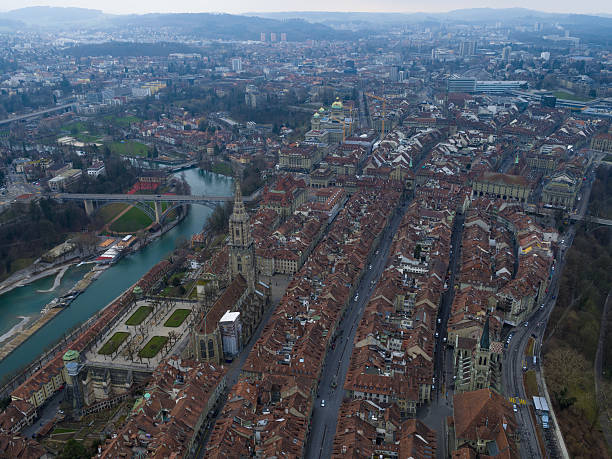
(129, 148)
(60, 430)
(568, 96)
(110, 211)
(531, 384)
(113, 343)
(529, 348)
(153, 347)
(123, 121)
(177, 318)
(141, 314)
(131, 221)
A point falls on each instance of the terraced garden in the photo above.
(153, 347)
(113, 343)
(177, 318)
(139, 315)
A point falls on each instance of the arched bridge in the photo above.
(158, 214)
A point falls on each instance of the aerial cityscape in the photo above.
(305, 234)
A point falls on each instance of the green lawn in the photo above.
(87, 138)
(141, 314)
(75, 127)
(60, 430)
(123, 121)
(131, 221)
(531, 384)
(113, 343)
(129, 148)
(110, 211)
(177, 318)
(569, 96)
(153, 347)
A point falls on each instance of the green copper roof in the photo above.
(70, 355)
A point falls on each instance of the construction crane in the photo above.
(384, 108)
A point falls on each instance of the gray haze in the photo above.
(241, 6)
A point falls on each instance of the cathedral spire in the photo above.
(239, 213)
(237, 191)
(484, 339)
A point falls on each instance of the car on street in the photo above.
(515, 408)
(322, 403)
(526, 324)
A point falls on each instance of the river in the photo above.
(26, 301)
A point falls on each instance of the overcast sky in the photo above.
(242, 6)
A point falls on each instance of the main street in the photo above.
(535, 326)
(435, 413)
(324, 418)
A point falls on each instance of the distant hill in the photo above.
(201, 25)
(587, 27)
(229, 26)
(508, 15)
(49, 16)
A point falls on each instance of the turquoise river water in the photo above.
(27, 301)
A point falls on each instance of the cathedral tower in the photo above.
(242, 251)
(481, 370)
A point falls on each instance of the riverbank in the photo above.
(58, 279)
(18, 335)
(30, 274)
(17, 340)
(114, 280)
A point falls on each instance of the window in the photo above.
(211, 348)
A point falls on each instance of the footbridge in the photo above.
(600, 221)
(144, 201)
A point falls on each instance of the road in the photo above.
(435, 413)
(63, 107)
(278, 285)
(45, 414)
(535, 325)
(324, 419)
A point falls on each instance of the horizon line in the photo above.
(246, 13)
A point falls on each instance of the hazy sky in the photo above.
(242, 6)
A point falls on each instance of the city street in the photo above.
(512, 363)
(324, 418)
(435, 413)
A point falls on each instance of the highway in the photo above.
(535, 325)
(324, 419)
(37, 113)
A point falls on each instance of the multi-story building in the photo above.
(299, 157)
(483, 422)
(286, 195)
(602, 142)
(502, 186)
(560, 191)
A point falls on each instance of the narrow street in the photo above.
(278, 284)
(435, 413)
(324, 418)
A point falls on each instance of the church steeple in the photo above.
(242, 251)
(240, 231)
(485, 339)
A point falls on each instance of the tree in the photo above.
(75, 450)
